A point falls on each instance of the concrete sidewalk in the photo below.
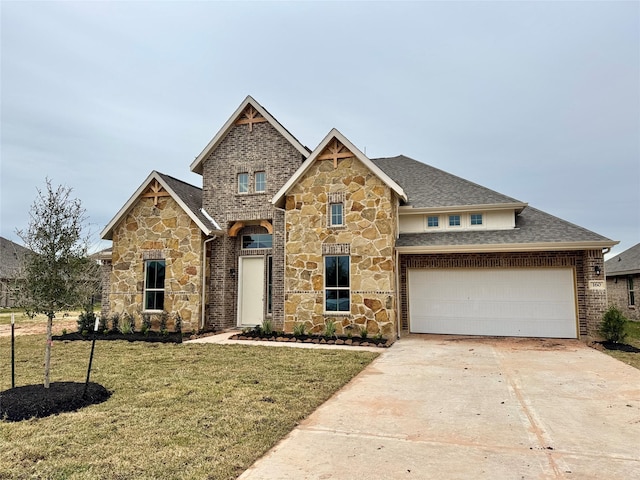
(469, 408)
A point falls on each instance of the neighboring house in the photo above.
(392, 245)
(623, 281)
(12, 258)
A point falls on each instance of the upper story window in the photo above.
(476, 219)
(257, 240)
(632, 295)
(243, 183)
(454, 220)
(336, 216)
(154, 284)
(433, 221)
(260, 181)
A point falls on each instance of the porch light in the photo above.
(597, 269)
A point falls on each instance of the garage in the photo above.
(518, 302)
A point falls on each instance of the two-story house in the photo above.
(391, 245)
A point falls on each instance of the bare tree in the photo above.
(58, 274)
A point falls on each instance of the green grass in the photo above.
(177, 411)
(633, 339)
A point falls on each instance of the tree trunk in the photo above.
(47, 352)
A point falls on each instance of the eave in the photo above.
(506, 247)
(409, 210)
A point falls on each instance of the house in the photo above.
(623, 281)
(12, 258)
(282, 232)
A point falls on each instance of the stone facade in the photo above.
(591, 303)
(368, 237)
(245, 149)
(618, 294)
(162, 231)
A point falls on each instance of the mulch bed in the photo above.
(621, 347)
(150, 336)
(317, 339)
(22, 403)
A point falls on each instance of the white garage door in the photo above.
(531, 302)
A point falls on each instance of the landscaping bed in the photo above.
(149, 336)
(315, 339)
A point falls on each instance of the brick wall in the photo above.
(618, 295)
(244, 150)
(591, 303)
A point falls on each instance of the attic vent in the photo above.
(335, 151)
(249, 117)
(155, 191)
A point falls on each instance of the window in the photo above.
(336, 283)
(476, 219)
(261, 181)
(632, 295)
(243, 183)
(154, 285)
(454, 220)
(432, 222)
(257, 240)
(336, 217)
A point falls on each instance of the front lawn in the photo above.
(176, 410)
(630, 355)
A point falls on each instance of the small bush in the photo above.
(614, 325)
(267, 327)
(115, 322)
(330, 329)
(177, 323)
(128, 324)
(300, 329)
(86, 319)
(364, 333)
(146, 322)
(164, 318)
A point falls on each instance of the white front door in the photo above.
(250, 291)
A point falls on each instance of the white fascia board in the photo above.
(196, 165)
(409, 210)
(507, 247)
(356, 153)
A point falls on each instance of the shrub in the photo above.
(267, 327)
(300, 329)
(614, 325)
(330, 329)
(86, 319)
(364, 333)
(164, 317)
(128, 324)
(177, 323)
(115, 322)
(146, 322)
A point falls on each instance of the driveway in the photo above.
(458, 407)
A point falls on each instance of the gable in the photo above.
(250, 113)
(158, 186)
(335, 147)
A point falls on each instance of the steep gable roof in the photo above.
(12, 256)
(625, 263)
(196, 165)
(187, 196)
(353, 151)
(429, 187)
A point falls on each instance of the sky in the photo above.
(539, 101)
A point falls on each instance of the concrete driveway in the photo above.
(458, 407)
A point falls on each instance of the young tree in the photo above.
(58, 275)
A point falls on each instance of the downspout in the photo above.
(204, 279)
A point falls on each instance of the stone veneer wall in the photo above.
(250, 151)
(368, 238)
(618, 295)
(161, 232)
(591, 303)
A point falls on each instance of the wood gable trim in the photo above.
(249, 112)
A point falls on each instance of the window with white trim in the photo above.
(632, 295)
(336, 217)
(476, 219)
(454, 220)
(154, 276)
(433, 221)
(337, 290)
(243, 183)
(257, 240)
(260, 182)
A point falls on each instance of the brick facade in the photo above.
(591, 303)
(260, 148)
(618, 294)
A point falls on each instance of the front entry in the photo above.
(250, 291)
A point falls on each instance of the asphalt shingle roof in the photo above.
(11, 258)
(427, 186)
(624, 263)
(190, 195)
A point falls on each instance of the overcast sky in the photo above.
(537, 100)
